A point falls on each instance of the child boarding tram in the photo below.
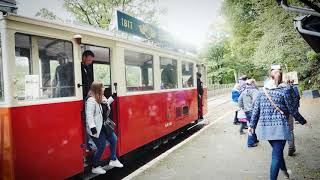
(41, 99)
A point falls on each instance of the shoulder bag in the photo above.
(273, 104)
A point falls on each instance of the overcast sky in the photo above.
(189, 20)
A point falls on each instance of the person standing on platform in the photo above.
(270, 120)
(200, 95)
(246, 101)
(295, 98)
(235, 93)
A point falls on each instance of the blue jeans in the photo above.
(251, 138)
(101, 145)
(277, 162)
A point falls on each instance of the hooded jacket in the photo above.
(247, 98)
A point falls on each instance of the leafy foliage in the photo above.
(261, 34)
(46, 14)
(100, 13)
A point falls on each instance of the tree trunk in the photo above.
(235, 76)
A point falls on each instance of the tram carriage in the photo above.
(41, 131)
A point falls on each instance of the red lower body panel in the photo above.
(43, 141)
(144, 118)
(46, 141)
(6, 150)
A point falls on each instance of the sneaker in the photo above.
(98, 170)
(291, 152)
(115, 163)
(287, 174)
(253, 145)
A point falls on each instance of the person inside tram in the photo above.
(190, 81)
(86, 71)
(97, 129)
(63, 82)
(167, 77)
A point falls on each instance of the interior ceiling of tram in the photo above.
(135, 58)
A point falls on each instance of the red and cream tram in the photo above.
(41, 131)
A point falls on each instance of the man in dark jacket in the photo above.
(200, 95)
(87, 79)
(86, 71)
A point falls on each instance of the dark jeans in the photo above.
(101, 145)
(235, 120)
(253, 137)
(242, 126)
(277, 162)
(200, 113)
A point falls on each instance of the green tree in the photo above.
(46, 14)
(99, 13)
(262, 34)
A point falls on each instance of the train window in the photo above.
(1, 74)
(23, 62)
(139, 71)
(168, 68)
(51, 70)
(187, 74)
(102, 73)
(202, 70)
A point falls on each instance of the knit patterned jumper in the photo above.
(269, 123)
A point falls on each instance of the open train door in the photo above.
(100, 70)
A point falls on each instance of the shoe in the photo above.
(253, 145)
(246, 127)
(287, 174)
(241, 133)
(256, 141)
(291, 152)
(115, 163)
(98, 170)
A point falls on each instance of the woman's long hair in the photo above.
(96, 91)
(276, 75)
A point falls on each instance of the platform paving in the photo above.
(219, 152)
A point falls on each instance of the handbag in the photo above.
(242, 116)
(108, 124)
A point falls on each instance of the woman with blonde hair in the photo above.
(96, 129)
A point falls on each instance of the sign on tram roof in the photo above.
(132, 25)
(137, 27)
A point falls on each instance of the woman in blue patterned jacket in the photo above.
(270, 120)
